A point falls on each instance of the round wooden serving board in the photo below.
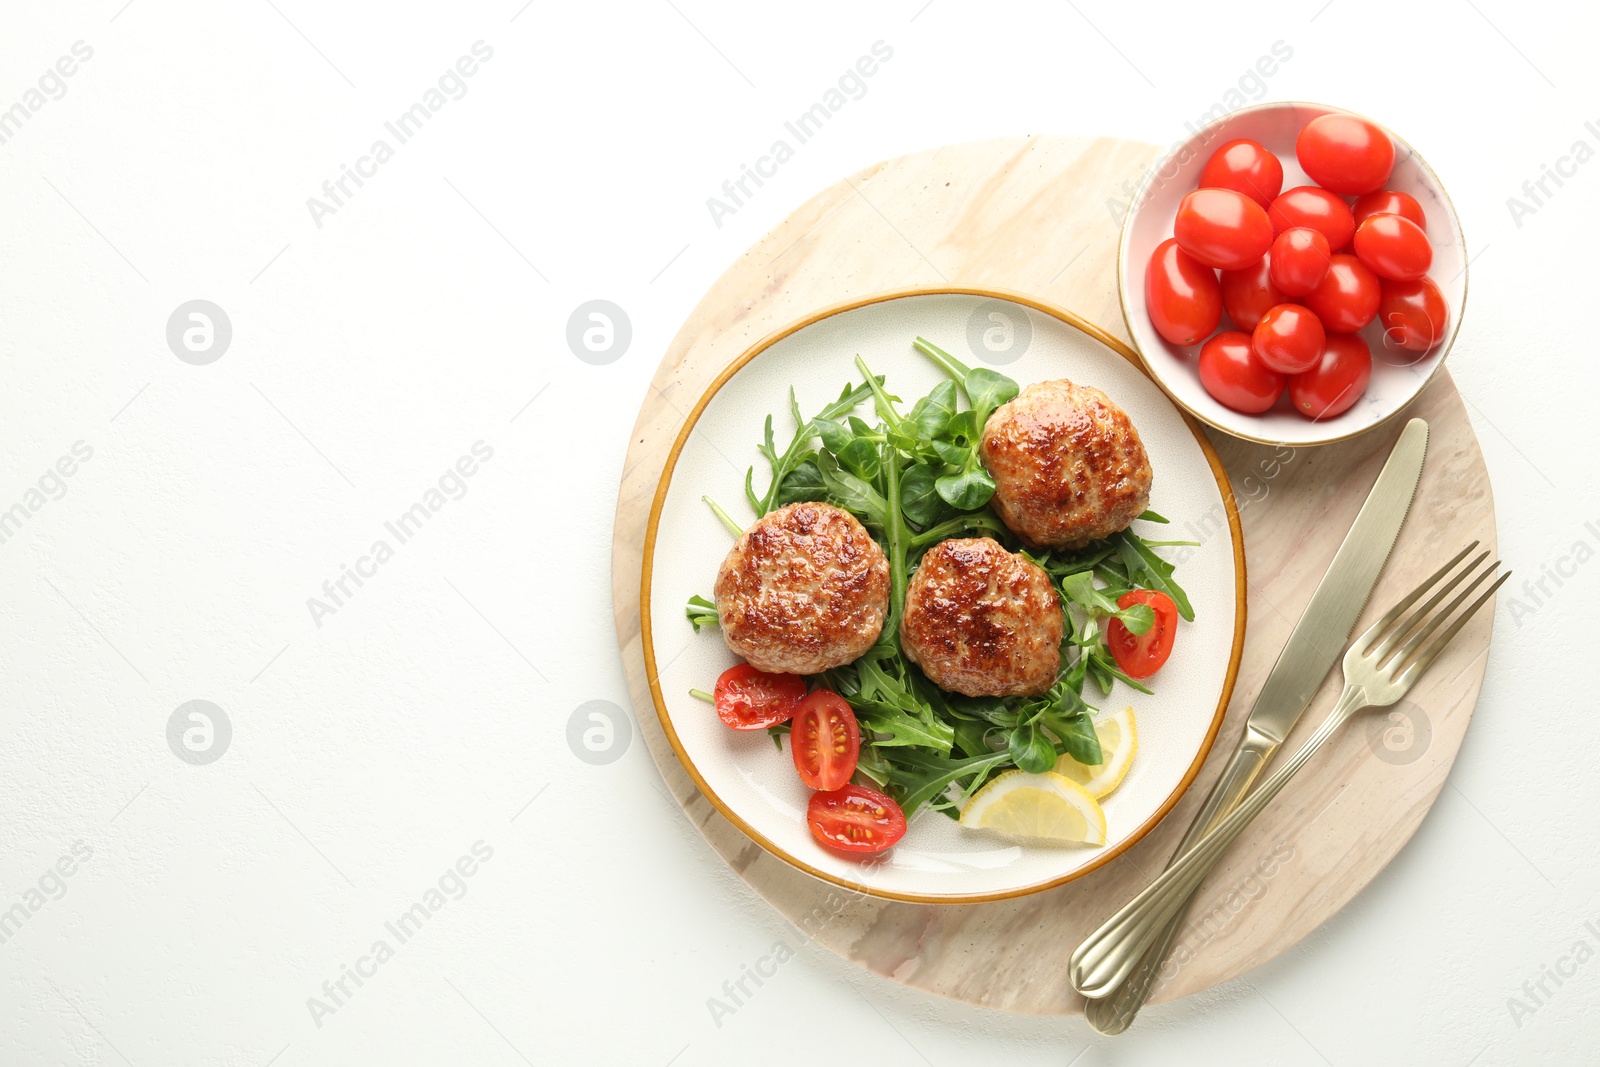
(1035, 215)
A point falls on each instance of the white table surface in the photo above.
(429, 710)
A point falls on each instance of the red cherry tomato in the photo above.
(1181, 294)
(1345, 154)
(1346, 298)
(1288, 339)
(1336, 382)
(1141, 656)
(825, 740)
(1222, 228)
(748, 699)
(1299, 259)
(1248, 294)
(855, 819)
(1235, 376)
(1387, 201)
(1245, 166)
(1306, 205)
(1394, 247)
(1413, 316)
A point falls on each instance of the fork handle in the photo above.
(1116, 1012)
(1108, 955)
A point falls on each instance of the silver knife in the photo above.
(1316, 641)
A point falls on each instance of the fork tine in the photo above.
(1377, 629)
(1426, 657)
(1440, 617)
(1412, 621)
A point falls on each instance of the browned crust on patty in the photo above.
(804, 589)
(982, 621)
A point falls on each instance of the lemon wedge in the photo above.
(1119, 740)
(1046, 808)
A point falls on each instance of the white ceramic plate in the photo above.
(1395, 382)
(754, 784)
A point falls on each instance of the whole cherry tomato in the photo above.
(1394, 247)
(1182, 295)
(1413, 316)
(1336, 381)
(1306, 205)
(1388, 201)
(1245, 166)
(1299, 259)
(1235, 376)
(1345, 154)
(1248, 293)
(1347, 297)
(1222, 228)
(1288, 339)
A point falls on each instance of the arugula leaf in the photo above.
(1151, 571)
(701, 613)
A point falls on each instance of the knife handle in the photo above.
(1115, 1013)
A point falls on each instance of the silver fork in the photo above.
(1379, 668)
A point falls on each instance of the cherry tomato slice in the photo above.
(1345, 154)
(1413, 316)
(825, 740)
(1248, 294)
(1288, 339)
(1222, 228)
(1245, 166)
(1234, 375)
(1181, 295)
(1389, 202)
(1347, 297)
(748, 699)
(1393, 247)
(855, 819)
(1306, 205)
(1299, 258)
(1141, 656)
(1337, 381)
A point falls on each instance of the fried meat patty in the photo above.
(803, 590)
(1067, 463)
(982, 621)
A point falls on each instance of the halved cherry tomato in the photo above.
(1388, 201)
(1222, 228)
(1347, 297)
(825, 740)
(855, 819)
(1337, 381)
(1248, 294)
(1345, 154)
(1181, 294)
(1288, 339)
(1235, 376)
(1393, 247)
(1413, 316)
(1306, 205)
(1245, 166)
(1142, 656)
(1299, 259)
(748, 699)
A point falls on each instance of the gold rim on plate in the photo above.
(652, 677)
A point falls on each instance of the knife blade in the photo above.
(1315, 642)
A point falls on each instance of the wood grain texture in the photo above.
(1031, 215)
